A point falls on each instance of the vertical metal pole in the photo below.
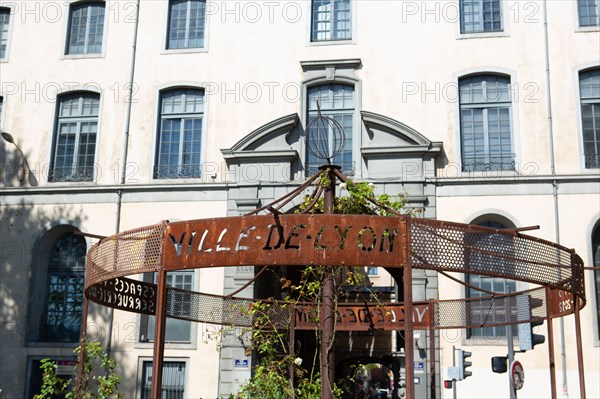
(551, 360)
(409, 347)
(82, 340)
(327, 316)
(454, 365)
(579, 348)
(292, 347)
(511, 358)
(431, 353)
(159, 335)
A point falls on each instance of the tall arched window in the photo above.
(75, 137)
(61, 317)
(336, 101)
(596, 255)
(589, 91)
(495, 284)
(485, 123)
(180, 134)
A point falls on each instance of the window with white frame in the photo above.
(4, 20)
(596, 263)
(86, 28)
(478, 16)
(180, 134)
(331, 20)
(173, 380)
(335, 101)
(589, 12)
(187, 23)
(596, 257)
(61, 320)
(495, 284)
(589, 89)
(485, 123)
(75, 137)
(176, 331)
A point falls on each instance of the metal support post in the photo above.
(579, 349)
(159, 335)
(552, 362)
(409, 348)
(453, 365)
(327, 314)
(432, 391)
(82, 339)
(511, 358)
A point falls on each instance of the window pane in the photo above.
(495, 284)
(61, 320)
(180, 135)
(86, 29)
(4, 20)
(331, 20)
(485, 123)
(589, 88)
(76, 131)
(480, 16)
(596, 256)
(176, 330)
(335, 101)
(173, 380)
(589, 12)
(187, 19)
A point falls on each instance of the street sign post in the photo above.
(517, 374)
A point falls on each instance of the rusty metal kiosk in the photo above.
(399, 243)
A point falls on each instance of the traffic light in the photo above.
(463, 364)
(527, 339)
(499, 364)
(448, 384)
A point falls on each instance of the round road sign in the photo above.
(517, 374)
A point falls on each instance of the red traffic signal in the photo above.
(448, 384)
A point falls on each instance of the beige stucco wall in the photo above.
(411, 57)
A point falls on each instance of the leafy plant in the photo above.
(91, 385)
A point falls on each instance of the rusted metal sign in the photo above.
(125, 294)
(354, 317)
(560, 303)
(328, 240)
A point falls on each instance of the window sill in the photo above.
(195, 50)
(482, 35)
(168, 345)
(488, 341)
(82, 56)
(331, 42)
(49, 344)
(586, 29)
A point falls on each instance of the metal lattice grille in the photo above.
(214, 309)
(487, 251)
(491, 311)
(130, 252)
